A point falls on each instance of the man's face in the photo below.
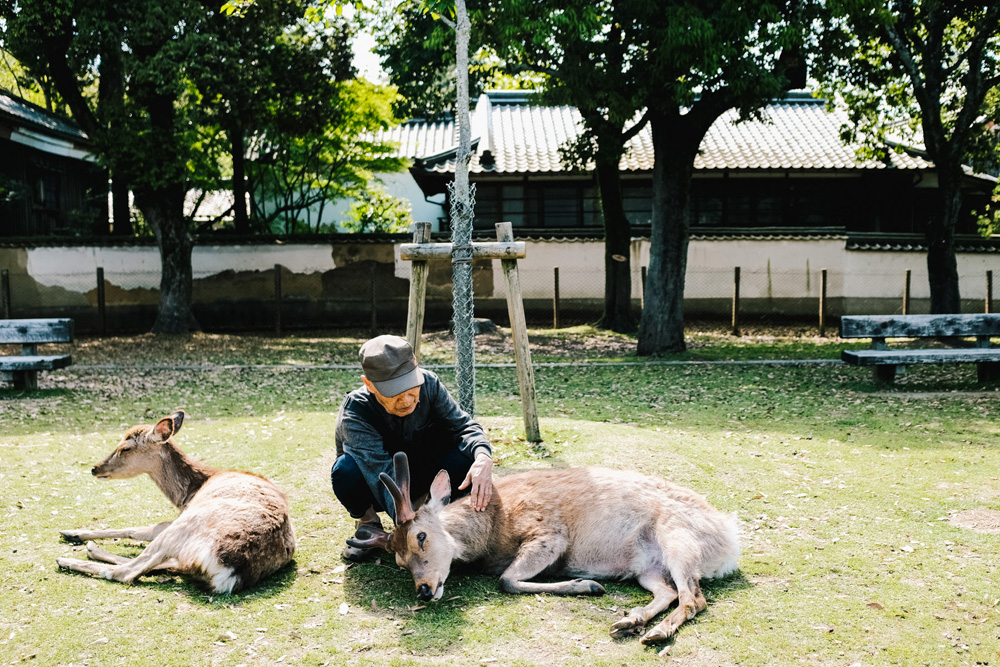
(399, 405)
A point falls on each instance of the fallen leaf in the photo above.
(875, 605)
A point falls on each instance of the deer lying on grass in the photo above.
(582, 522)
(233, 530)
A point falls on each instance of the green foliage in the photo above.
(18, 81)
(418, 50)
(925, 73)
(917, 72)
(306, 161)
(376, 211)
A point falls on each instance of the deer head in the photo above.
(138, 452)
(420, 541)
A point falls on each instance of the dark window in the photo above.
(638, 204)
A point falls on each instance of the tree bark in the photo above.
(661, 328)
(240, 219)
(617, 252)
(163, 210)
(942, 265)
(121, 212)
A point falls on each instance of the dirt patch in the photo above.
(583, 344)
(981, 520)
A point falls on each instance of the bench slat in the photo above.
(906, 357)
(35, 363)
(58, 330)
(919, 326)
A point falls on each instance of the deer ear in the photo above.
(178, 418)
(440, 491)
(164, 428)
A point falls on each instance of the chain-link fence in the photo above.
(373, 294)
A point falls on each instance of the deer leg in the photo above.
(143, 533)
(533, 557)
(691, 601)
(635, 621)
(94, 552)
(97, 553)
(156, 557)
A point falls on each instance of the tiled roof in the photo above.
(907, 243)
(38, 119)
(799, 133)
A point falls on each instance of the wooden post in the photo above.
(5, 305)
(101, 319)
(277, 299)
(519, 331)
(736, 302)
(642, 287)
(418, 290)
(906, 293)
(989, 292)
(822, 303)
(373, 300)
(555, 298)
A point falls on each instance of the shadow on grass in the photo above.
(8, 393)
(714, 590)
(424, 628)
(440, 628)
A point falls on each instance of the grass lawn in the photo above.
(853, 504)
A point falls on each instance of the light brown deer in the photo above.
(233, 530)
(580, 522)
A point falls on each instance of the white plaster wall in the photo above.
(311, 258)
(402, 185)
(773, 268)
(74, 269)
(581, 270)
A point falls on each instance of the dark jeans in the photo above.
(353, 493)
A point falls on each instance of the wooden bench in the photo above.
(885, 361)
(23, 370)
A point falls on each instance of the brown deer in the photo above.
(580, 522)
(233, 530)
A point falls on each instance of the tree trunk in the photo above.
(617, 252)
(661, 328)
(163, 210)
(121, 212)
(942, 265)
(240, 218)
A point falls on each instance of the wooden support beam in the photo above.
(427, 251)
(519, 331)
(418, 287)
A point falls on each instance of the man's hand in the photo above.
(481, 477)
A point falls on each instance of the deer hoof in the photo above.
(627, 627)
(72, 535)
(588, 587)
(656, 636)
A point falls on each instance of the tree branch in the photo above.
(628, 134)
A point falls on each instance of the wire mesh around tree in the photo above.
(462, 213)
